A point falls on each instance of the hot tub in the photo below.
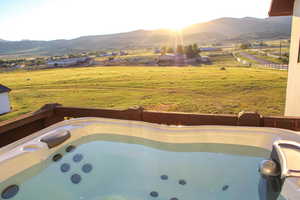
(106, 159)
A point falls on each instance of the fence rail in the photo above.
(276, 66)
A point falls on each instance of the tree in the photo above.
(285, 60)
(245, 45)
(180, 50)
(262, 44)
(72, 56)
(163, 50)
(40, 62)
(170, 50)
(189, 52)
(196, 49)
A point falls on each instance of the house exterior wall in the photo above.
(293, 88)
(4, 103)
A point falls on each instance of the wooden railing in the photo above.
(13, 130)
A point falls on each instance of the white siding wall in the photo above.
(293, 89)
(4, 103)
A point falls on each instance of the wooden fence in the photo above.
(277, 66)
(12, 130)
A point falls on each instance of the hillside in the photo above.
(233, 27)
(219, 30)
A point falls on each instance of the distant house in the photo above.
(258, 45)
(19, 66)
(205, 59)
(172, 59)
(157, 51)
(209, 49)
(4, 99)
(123, 53)
(108, 54)
(67, 62)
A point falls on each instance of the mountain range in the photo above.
(225, 30)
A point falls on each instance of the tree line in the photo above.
(191, 51)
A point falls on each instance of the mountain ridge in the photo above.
(218, 30)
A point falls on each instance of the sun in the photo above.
(176, 26)
(176, 23)
(175, 30)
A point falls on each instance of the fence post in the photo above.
(53, 118)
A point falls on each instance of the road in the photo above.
(266, 63)
(259, 60)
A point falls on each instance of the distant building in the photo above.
(108, 54)
(172, 59)
(205, 59)
(258, 45)
(4, 99)
(67, 62)
(123, 53)
(157, 51)
(19, 66)
(209, 49)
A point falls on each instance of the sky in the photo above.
(67, 19)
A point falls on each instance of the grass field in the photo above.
(249, 61)
(186, 89)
